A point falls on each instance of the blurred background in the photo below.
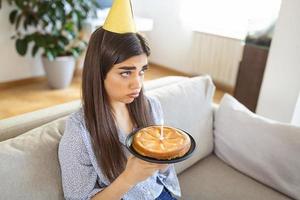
(250, 48)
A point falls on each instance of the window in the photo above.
(230, 18)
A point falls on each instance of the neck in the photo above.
(122, 116)
(118, 107)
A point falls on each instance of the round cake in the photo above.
(174, 143)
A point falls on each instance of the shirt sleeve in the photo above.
(79, 178)
(169, 178)
(156, 110)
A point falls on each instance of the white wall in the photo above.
(170, 41)
(175, 45)
(13, 66)
(281, 83)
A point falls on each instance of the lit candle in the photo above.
(161, 132)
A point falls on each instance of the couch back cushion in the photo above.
(188, 105)
(29, 166)
(264, 149)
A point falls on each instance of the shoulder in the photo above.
(72, 139)
(156, 109)
(154, 102)
(77, 117)
(74, 124)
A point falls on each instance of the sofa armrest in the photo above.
(14, 126)
(168, 80)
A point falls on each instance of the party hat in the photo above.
(120, 18)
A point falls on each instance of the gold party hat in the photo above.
(120, 18)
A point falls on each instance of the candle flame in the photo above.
(161, 132)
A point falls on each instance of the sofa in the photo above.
(239, 155)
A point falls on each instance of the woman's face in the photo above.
(124, 80)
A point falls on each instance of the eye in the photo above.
(142, 72)
(125, 74)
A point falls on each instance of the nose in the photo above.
(136, 82)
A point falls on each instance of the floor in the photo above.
(25, 96)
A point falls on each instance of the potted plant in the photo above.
(52, 29)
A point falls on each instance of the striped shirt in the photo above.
(82, 177)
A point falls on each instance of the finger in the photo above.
(145, 162)
(164, 167)
(156, 166)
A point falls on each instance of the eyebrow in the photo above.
(132, 67)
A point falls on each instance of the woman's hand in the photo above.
(138, 170)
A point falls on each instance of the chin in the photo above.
(128, 100)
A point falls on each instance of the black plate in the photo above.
(188, 154)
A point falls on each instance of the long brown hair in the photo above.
(104, 50)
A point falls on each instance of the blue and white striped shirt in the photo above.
(82, 177)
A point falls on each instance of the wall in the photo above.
(175, 45)
(13, 66)
(281, 84)
(170, 41)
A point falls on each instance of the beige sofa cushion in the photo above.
(264, 149)
(29, 166)
(188, 105)
(212, 179)
(157, 83)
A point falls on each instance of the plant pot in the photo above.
(60, 71)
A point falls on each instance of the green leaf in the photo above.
(61, 44)
(34, 50)
(70, 35)
(75, 52)
(43, 7)
(59, 51)
(18, 21)
(58, 27)
(28, 38)
(64, 40)
(45, 23)
(50, 55)
(12, 16)
(20, 3)
(31, 20)
(39, 40)
(21, 46)
(25, 23)
(9, 2)
(69, 26)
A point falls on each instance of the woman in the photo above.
(94, 162)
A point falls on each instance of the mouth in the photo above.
(134, 95)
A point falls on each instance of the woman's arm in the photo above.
(136, 171)
(79, 178)
(115, 190)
